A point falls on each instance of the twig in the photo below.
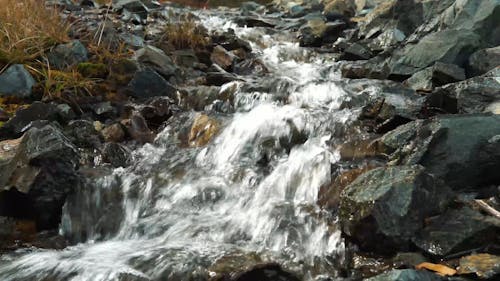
(487, 208)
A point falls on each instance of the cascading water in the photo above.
(251, 191)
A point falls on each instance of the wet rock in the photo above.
(147, 83)
(104, 109)
(389, 38)
(483, 61)
(216, 76)
(365, 69)
(474, 95)
(67, 55)
(204, 128)
(483, 265)
(406, 275)
(456, 231)
(265, 272)
(16, 81)
(36, 181)
(448, 46)
(113, 133)
(223, 58)
(83, 134)
(385, 104)
(381, 209)
(138, 129)
(157, 60)
(229, 41)
(21, 121)
(356, 51)
(254, 21)
(7, 226)
(437, 75)
(461, 150)
(329, 196)
(317, 32)
(116, 154)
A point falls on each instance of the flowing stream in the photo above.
(251, 193)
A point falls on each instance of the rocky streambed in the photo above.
(298, 140)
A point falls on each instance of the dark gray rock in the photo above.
(483, 61)
(67, 55)
(437, 75)
(147, 83)
(382, 209)
(104, 109)
(35, 112)
(475, 95)
(462, 150)
(385, 104)
(16, 81)
(156, 59)
(83, 134)
(457, 231)
(36, 181)
(356, 51)
(448, 46)
(216, 76)
(406, 275)
(116, 154)
(317, 32)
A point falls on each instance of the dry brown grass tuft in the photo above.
(27, 29)
(186, 34)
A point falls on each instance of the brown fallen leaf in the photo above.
(440, 269)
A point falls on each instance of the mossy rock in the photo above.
(93, 70)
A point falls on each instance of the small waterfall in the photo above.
(253, 189)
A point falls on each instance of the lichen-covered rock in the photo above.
(462, 150)
(382, 209)
(458, 230)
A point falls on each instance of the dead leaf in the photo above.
(440, 269)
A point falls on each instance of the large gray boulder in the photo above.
(37, 176)
(448, 46)
(462, 150)
(16, 81)
(382, 209)
(483, 61)
(475, 95)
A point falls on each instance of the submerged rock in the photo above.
(381, 210)
(406, 275)
(203, 130)
(16, 81)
